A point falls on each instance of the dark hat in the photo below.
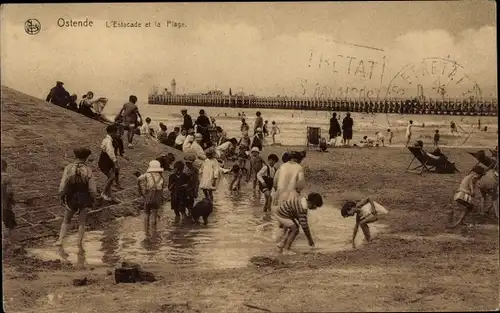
(184, 110)
(59, 83)
(82, 153)
(479, 170)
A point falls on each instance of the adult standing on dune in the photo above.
(347, 124)
(58, 95)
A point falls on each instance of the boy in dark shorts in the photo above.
(8, 216)
(77, 191)
(178, 184)
(243, 160)
(150, 185)
(108, 162)
(266, 177)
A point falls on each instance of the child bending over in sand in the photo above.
(291, 211)
(366, 212)
(465, 193)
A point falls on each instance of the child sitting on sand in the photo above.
(291, 211)
(368, 142)
(323, 146)
(366, 212)
(465, 192)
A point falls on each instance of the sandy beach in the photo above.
(416, 264)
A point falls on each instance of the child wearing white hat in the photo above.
(150, 185)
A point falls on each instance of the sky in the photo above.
(333, 49)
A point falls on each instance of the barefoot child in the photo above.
(237, 177)
(209, 173)
(256, 163)
(436, 138)
(77, 190)
(366, 212)
(465, 192)
(292, 213)
(108, 162)
(274, 130)
(8, 216)
(243, 160)
(150, 185)
(266, 178)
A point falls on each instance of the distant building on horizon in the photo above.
(172, 86)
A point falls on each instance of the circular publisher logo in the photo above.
(32, 26)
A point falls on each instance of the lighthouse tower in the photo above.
(172, 86)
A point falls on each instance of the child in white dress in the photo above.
(209, 173)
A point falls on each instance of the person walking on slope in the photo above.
(131, 118)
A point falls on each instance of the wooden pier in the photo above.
(404, 106)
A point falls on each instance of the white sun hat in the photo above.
(154, 167)
(255, 149)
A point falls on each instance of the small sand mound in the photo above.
(266, 261)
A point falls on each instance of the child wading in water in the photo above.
(237, 177)
(194, 176)
(256, 163)
(465, 193)
(150, 185)
(209, 174)
(266, 178)
(274, 130)
(366, 212)
(77, 191)
(179, 185)
(291, 211)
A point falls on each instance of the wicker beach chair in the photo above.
(313, 137)
(429, 163)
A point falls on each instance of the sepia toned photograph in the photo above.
(250, 157)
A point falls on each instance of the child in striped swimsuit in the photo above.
(292, 213)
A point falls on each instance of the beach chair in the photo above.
(481, 157)
(313, 137)
(427, 162)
